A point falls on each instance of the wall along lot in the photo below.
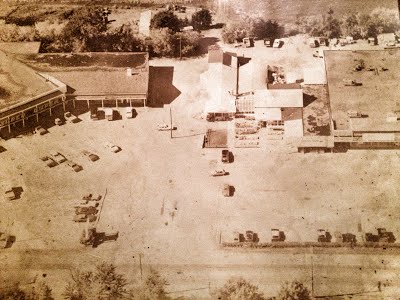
(162, 200)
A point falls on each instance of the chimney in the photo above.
(128, 72)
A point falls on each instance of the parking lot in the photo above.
(159, 195)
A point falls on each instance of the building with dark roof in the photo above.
(38, 83)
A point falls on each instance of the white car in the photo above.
(221, 172)
(165, 127)
(70, 118)
(112, 147)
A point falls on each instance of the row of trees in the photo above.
(245, 27)
(381, 20)
(105, 283)
(87, 31)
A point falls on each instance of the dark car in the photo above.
(225, 156)
(91, 156)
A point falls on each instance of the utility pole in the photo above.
(312, 278)
(170, 118)
(140, 263)
(180, 47)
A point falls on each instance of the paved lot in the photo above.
(162, 200)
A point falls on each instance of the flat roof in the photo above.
(53, 62)
(95, 73)
(103, 82)
(278, 98)
(378, 95)
(19, 81)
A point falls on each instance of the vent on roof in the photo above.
(128, 71)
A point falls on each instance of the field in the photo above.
(289, 10)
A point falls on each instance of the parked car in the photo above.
(58, 157)
(221, 172)
(225, 156)
(277, 43)
(90, 156)
(87, 210)
(4, 240)
(268, 42)
(58, 121)
(70, 118)
(10, 195)
(349, 82)
(84, 218)
(227, 190)
(49, 161)
(74, 166)
(277, 235)
(40, 130)
(165, 127)
(112, 147)
(130, 112)
(251, 237)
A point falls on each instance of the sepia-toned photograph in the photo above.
(199, 149)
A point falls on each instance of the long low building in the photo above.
(34, 84)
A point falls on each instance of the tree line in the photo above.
(87, 30)
(104, 282)
(359, 26)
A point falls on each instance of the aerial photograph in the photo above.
(199, 149)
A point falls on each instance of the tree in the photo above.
(238, 289)
(190, 43)
(293, 291)
(165, 19)
(83, 31)
(39, 291)
(331, 27)
(163, 42)
(153, 288)
(235, 32)
(104, 283)
(202, 19)
(262, 29)
(13, 292)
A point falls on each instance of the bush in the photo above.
(238, 288)
(202, 19)
(293, 291)
(163, 42)
(14, 33)
(4, 93)
(166, 19)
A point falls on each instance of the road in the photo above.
(342, 274)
